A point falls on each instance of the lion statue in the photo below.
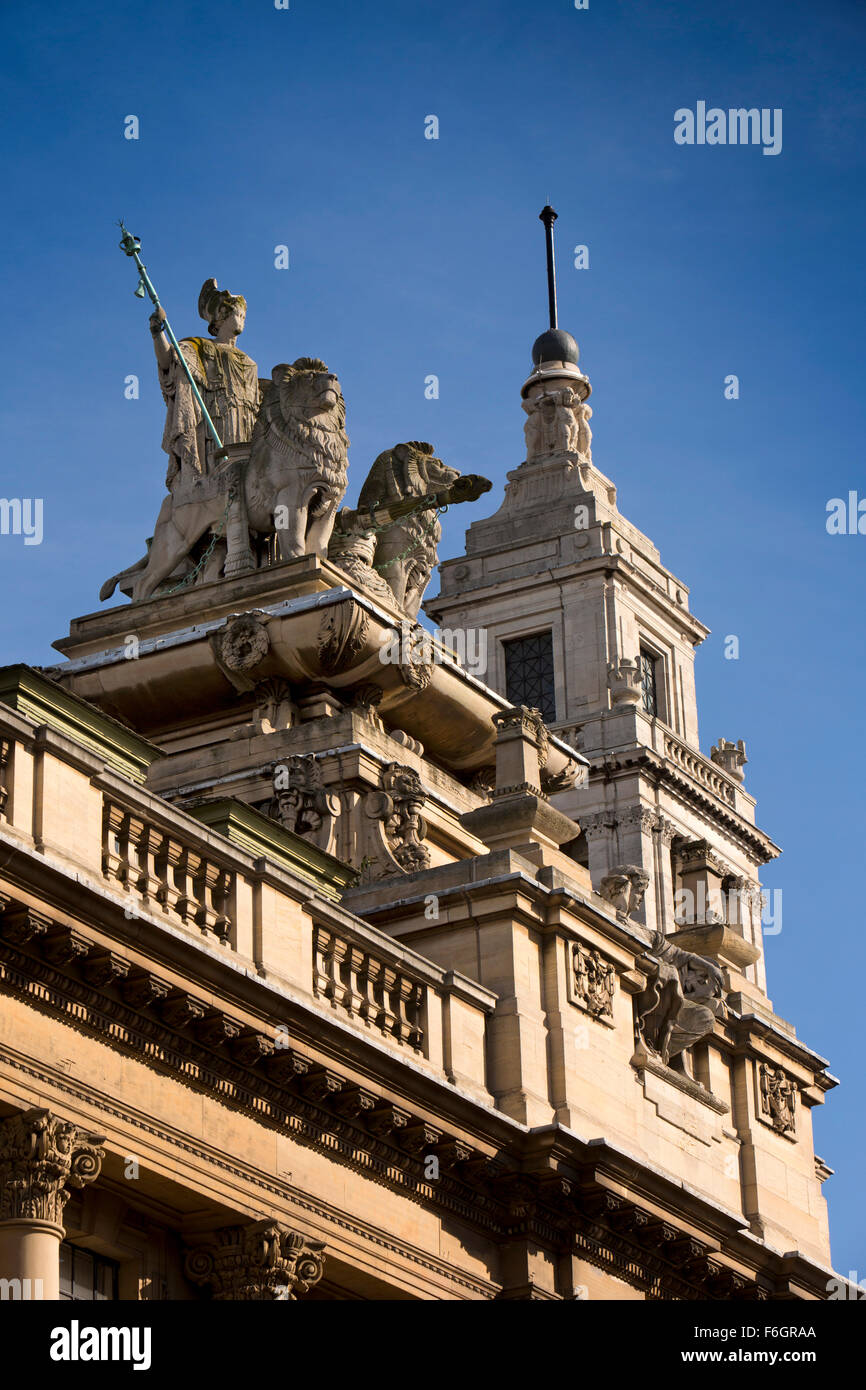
(292, 484)
(389, 541)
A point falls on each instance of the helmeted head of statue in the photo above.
(216, 306)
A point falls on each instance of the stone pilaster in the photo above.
(41, 1158)
(263, 1261)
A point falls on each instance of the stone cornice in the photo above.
(600, 915)
(47, 703)
(625, 762)
(604, 563)
(263, 837)
(753, 1035)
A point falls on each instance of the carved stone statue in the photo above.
(391, 538)
(291, 482)
(624, 888)
(681, 1002)
(226, 377)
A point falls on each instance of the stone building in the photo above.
(332, 971)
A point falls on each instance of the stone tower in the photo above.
(584, 621)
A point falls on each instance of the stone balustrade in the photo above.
(227, 877)
(167, 871)
(367, 987)
(700, 769)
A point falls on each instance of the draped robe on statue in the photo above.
(228, 381)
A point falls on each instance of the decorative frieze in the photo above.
(263, 1261)
(41, 1158)
(591, 981)
(598, 825)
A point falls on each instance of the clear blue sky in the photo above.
(261, 127)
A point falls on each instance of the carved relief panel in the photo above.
(777, 1100)
(591, 981)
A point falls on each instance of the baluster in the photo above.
(403, 992)
(222, 903)
(321, 954)
(188, 906)
(205, 881)
(135, 876)
(149, 852)
(354, 996)
(168, 866)
(387, 1017)
(5, 755)
(368, 1009)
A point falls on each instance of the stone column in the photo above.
(41, 1158)
(262, 1261)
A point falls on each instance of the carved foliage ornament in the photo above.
(41, 1158)
(342, 635)
(264, 1262)
(244, 642)
(301, 803)
(404, 825)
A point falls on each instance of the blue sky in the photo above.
(409, 257)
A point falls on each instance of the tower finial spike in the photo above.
(548, 217)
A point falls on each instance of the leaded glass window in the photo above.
(649, 681)
(529, 675)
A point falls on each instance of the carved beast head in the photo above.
(307, 389)
(407, 470)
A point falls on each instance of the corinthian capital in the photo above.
(263, 1261)
(41, 1158)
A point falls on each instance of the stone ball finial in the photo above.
(555, 346)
